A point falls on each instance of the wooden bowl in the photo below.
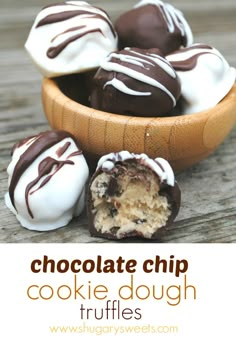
(182, 140)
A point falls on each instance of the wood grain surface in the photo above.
(208, 211)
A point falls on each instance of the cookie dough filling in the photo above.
(127, 199)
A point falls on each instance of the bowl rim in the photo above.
(50, 85)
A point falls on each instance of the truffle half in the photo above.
(131, 195)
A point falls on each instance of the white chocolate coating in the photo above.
(141, 60)
(173, 18)
(70, 37)
(52, 189)
(159, 165)
(205, 76)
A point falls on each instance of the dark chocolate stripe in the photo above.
(45, 167)
(55, 51)
(44, 141)
(188, 64)
(193, 47)
(74, 154)
(58, 17)
(161, 167)
(68, 30)
(21, 143)
(63, 149)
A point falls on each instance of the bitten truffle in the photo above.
(205, 76)
(70, 37)
(135, 82)
(131, 195)
(47, 177)
(153, 24)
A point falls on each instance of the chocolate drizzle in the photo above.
(63, 149)
(43, 142)
(21, 143)
(45, 167)
(67, 31)
(55, 51)
(58, 17)
(74, 154)
(189, 63)
(193, 47)
(172, 20)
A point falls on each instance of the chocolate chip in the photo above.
(113, 212)
(112, 188)
(114, 229)
(140, 221)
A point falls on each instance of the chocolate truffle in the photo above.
(153, 24)
(135, 82)
(47, 177)
(70, 37)
(131, 195)
(205, 76)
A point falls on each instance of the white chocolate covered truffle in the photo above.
(47, 177)
(70, 37)
(205, 76)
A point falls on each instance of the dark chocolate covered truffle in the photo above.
(131, 195)
(153, 24)
(135, 82)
